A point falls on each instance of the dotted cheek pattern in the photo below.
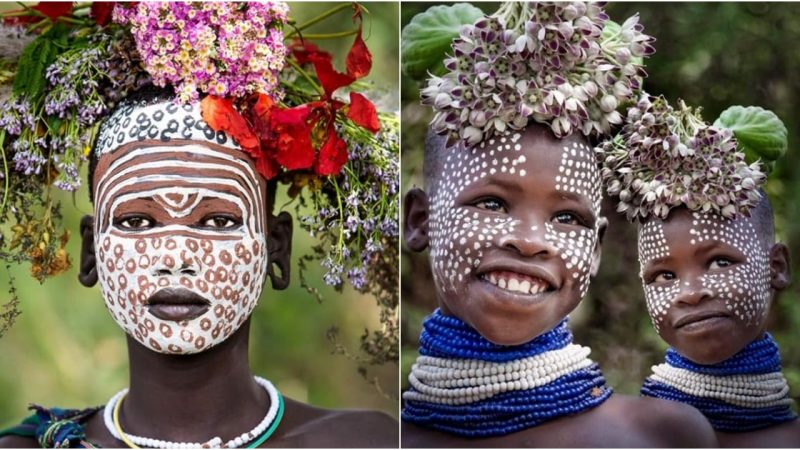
(653, 245)
(460, 235)
(746, 286)
(577, 174)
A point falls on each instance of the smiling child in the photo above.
(514, 231)
(511, 214)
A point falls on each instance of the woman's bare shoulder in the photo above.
(306, 425)
(12, 441)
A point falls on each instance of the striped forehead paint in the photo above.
(744, 287)
(145, 171)
(459, 236)
(226, 266)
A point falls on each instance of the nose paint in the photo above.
(744, 288)
(459, 236)
(227, 267)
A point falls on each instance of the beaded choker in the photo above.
(744, 393)
(254, 437)
(465, 385)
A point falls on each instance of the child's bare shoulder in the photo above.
(665, 423)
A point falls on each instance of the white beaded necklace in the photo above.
(460, 381)
(212, 443)
(748, 390)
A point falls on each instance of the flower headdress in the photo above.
(272, 91)
(666, 157)
(562, 64)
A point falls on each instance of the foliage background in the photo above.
(710, 54)
(65, 350)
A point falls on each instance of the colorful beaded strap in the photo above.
(465, 385)
(744, 393)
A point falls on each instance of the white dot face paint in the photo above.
(697, 262)
(189, 217)
(513, 225)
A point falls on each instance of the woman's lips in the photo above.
(177, 304)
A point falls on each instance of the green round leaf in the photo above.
(426, 39)
(759, 132)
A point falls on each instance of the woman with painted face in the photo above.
(710, 268)
(183, 237)
(510, 213)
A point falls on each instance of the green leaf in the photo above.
(426, 39)
(36, 57)
(759, 132)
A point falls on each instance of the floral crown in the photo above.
(64, 67)
(666, 157)
(561, 64)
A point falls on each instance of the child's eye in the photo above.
(490, 204)
(220, 222)
(719, 262)
(568, 218)
(135, 222)
(663, 276)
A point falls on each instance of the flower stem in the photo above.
(318, 19)
(330, 35)
(6, 175)
(341, 218)
(305, 75)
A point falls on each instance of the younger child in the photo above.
(710, 267)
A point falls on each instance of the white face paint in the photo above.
(744, 287)
(179, 217)
(513, 228)
(459, 237)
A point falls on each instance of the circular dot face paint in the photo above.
(483, 203)
(185, 217)
(743, 286)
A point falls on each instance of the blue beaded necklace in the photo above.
(507, 412)
(758, 357)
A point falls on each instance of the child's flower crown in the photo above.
(562, 64)
(665, 157)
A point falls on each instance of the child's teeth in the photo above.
(525, 286)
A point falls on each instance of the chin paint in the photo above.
(187, 218)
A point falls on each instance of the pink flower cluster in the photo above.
(227, 49)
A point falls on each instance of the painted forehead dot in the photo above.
(451, 226)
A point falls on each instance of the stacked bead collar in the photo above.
(744, 393)
(465, 385)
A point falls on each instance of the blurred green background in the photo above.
(710, 54)
(65, 350)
